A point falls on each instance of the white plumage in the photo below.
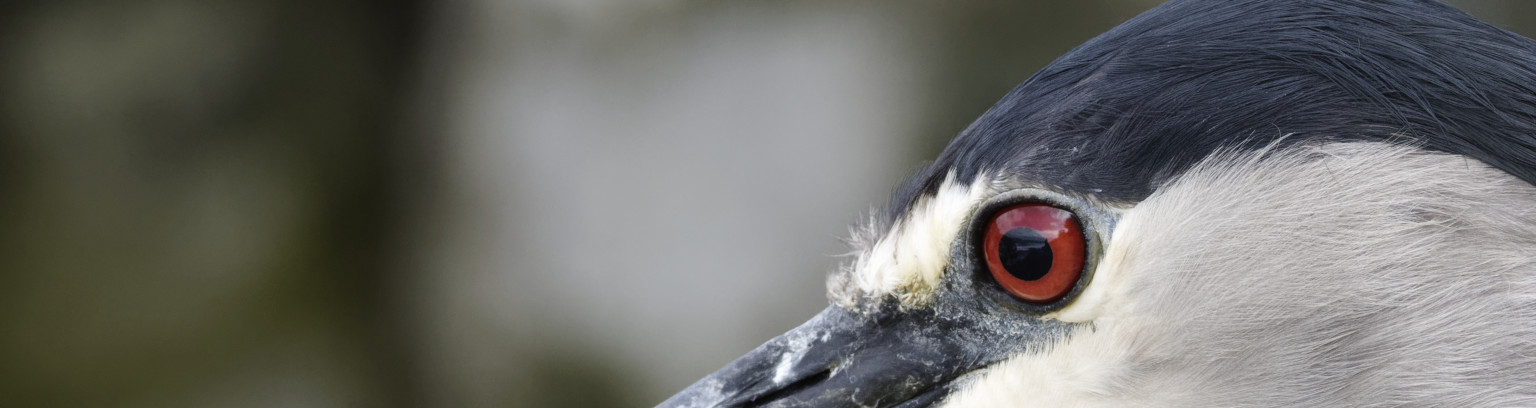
(1359, 274)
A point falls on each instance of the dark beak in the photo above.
(840, 358)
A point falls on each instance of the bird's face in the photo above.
(1274, 277)
(1136, 225)
(919, 308)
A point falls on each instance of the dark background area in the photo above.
(465, 203)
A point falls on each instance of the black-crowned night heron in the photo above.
(1217, 203)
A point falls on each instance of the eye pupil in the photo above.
(1025, 254)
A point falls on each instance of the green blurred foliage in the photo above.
(196, 196)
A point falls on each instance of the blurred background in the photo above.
(467, 203)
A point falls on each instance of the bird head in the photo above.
(1217, 203)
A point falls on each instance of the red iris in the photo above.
(1035, 251)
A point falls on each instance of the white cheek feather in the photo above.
(1358, 274)
(1107, 284)
(909, 260)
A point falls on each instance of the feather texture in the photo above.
(1343, 274)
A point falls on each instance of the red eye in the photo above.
(1035, 251)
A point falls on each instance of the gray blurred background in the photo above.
(469, 203)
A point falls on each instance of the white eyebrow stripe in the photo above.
(909, 260)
